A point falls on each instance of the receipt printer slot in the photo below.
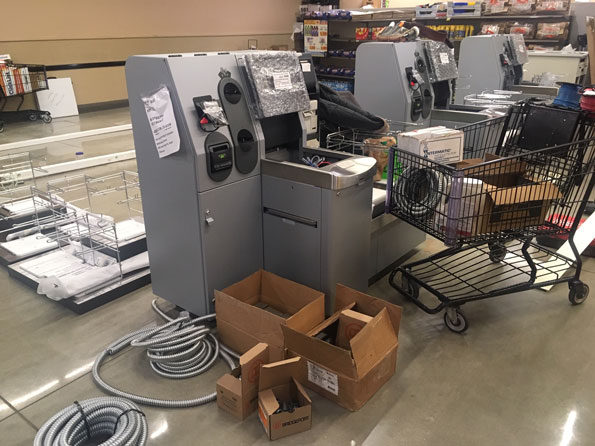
(219, 156)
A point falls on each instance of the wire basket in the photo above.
(504, 187)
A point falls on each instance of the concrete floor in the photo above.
(519, 375)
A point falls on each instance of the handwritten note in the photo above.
(160, 113)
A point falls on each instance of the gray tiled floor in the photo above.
(515, 377)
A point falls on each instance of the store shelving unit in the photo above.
(342, 32)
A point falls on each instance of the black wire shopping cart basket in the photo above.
(526, 174)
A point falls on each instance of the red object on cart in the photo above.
(557, 240)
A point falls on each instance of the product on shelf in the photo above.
(521, 6)
(496, 7)
(375, 31)
(554, 31)
(490, 29)
(455, 32)
(552, 5)
(526, 29)
(362, 33)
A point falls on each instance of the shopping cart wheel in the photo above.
(497, 252)
(455, 320)
(411, 287)
(47, 118)
(1, 126)
(578, 292)
(32, 116)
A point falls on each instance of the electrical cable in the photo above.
(119, 419)
(181, 348)
(418, 191)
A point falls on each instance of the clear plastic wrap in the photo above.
(442, 62)
(496, 7)
(521, 6)
(491, 29)
(551, 30)
(551, 5)
(276, 82)
(519, 49)
(526, 30)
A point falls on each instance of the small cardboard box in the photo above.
(351, 376)
(350, 323)
(280, 381)
(241, 323)
(509, 199)
(237, 391)
(439, 143)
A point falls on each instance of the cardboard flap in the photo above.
(285, 295)
(327, 322)
(279, 373)
(521, 194)
(247, 290)
(250, 363)
(301, 390)
(321, 352)
(491, 165)
(366, 304)
(262, 326)
(231, 383)
(373, 342)
(268, 401)
(310, 316)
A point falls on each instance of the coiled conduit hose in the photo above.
(116, 418)
(419, 191)
(180, 348)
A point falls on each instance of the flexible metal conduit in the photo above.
(116, 418)
(181, 348)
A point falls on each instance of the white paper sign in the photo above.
(160, 113)
(282, 80)
(306, 68)
(323, 378)
(444, 57)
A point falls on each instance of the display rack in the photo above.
(17, 80)
(110, 247)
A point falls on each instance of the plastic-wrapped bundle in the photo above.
(276, 82)
(442, 62)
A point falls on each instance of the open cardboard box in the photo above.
(349, 376)
(280, 381)
(509, 197)
(241, 324)
(237, 391)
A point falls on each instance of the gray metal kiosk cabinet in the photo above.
(391, 80)
(191, 217)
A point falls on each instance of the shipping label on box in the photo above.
(439, 144)
(323, 378)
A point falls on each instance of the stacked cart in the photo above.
(17, 81)
(525, 174)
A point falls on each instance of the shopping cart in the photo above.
(525, 174)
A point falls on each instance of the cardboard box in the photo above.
(350, 377)
(439, 143)
(350, 323)
(237, 391)
(280, 381)
(241, 324)
(509, 199)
